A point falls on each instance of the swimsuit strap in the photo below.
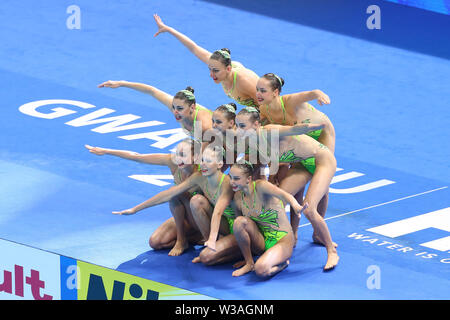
(195, 116)
(230, 92)
(284, 110)
(218, 187)
(179, 176)
(234, 83)
(282, 107)
(193, 123)
(254, 197)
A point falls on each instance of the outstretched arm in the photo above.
(198, 51)
(305, 96)
(294, 130)
(162, 159)
(161, 96)
(224, 200)
(163, 196)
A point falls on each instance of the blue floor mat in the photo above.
(389, 107)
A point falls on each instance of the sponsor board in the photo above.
(27, 273)
(33, 274)
(91, 282)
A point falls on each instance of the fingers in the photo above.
(124, 212)
(109, 84)
(104, 84)
(323, 99)
(302, 208)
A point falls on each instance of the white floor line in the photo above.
(378, 205)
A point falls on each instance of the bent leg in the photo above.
(294, 183)
(250, 240)
(227, 249)
(276, 258)
(202, 211)
(174, 232)
(317, 189)
(164, 236)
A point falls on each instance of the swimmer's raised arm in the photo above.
(298, 98)
(162, 159)
(198, 51)
(163, 196)
(298, 129)
(225, 198)
(156, 93)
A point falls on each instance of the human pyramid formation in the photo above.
(242, 214)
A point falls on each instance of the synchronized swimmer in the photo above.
(240, 215)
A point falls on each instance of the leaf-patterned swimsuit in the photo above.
(289, 157)
(267, 222)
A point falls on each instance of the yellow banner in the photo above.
(99, 283)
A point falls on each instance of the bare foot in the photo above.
(178, 248)
(196, 260)
(245, 269)
(317, 240)
(332, 261)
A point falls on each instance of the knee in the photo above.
(154, 242)
(310, 213)
(196, 201)
(240, 224)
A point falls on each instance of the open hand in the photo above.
(161, 26)
(110, 84)
(299, 209)
(96, 150)
(125, 212)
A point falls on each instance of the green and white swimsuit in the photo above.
(284, 114)
(289, 157)
(314, 134)
(267, 222)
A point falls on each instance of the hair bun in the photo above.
(233, 105)
(226, 49)
(189, 88)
